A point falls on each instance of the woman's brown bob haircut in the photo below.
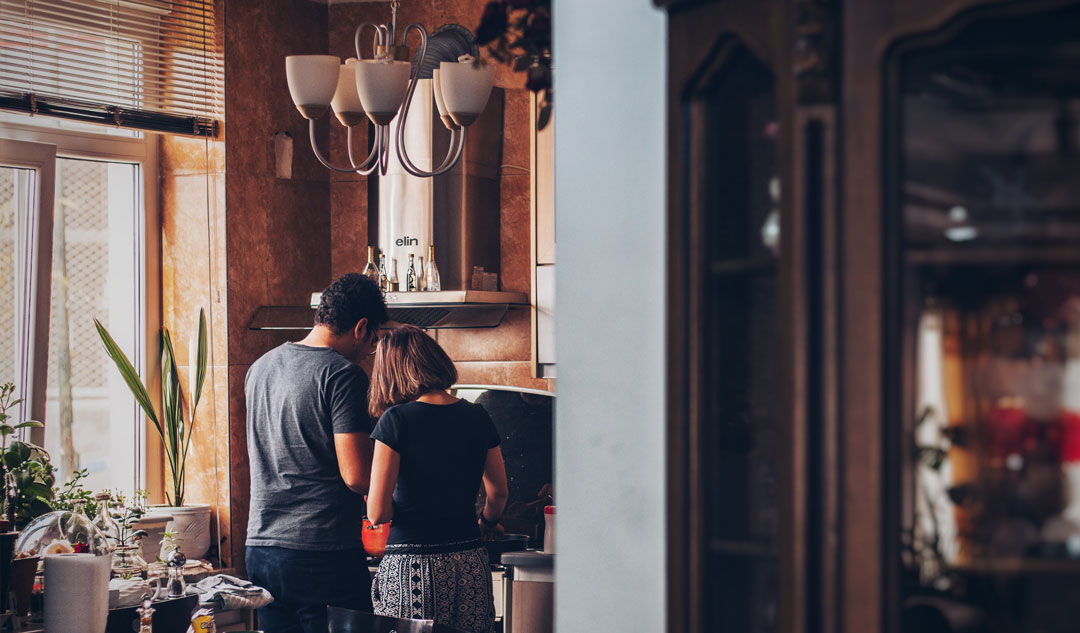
(408, 364)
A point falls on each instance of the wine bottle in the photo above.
(370, 271)
(410, 275)
(395, 285)
(384, 279)
(431, 271)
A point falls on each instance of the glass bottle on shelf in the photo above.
(146, 616)
(431, 271)
(410, 275)
(370, 271)
(395, 285)
(420, 275)
(104, 521)
(384, 279)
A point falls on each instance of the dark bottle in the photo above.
(410, 275)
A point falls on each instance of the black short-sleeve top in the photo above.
(443, 449)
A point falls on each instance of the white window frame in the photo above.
(88, 145)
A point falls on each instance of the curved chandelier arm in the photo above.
(322, 159)
(371, 162)
(453, 152)
(381, 36)
(402, 153)
(384, 149)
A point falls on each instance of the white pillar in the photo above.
(610, 205)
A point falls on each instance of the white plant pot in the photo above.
(191, 525)
(154, 524)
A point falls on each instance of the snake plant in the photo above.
(177, 419)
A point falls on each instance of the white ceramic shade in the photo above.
(312, 82)
(346, 102)
(382, 86)
(440, 103)
(465, 88)
(436, 89)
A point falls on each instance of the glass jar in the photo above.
(59, 533)
(127, 562)
(105, 522)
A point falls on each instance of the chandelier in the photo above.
(380, 89)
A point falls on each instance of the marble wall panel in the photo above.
(348, 227)
(277, 230)
(239, 472)
(508, 342)
(190, 278)
(518, 374)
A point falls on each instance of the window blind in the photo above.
(145, 64)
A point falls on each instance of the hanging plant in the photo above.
(518, 33)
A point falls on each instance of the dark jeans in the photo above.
(303, 584)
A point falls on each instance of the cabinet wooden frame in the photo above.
(701, 37)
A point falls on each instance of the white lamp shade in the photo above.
(382, 86)
(437, 90)
(440, 103)
(346, 101)
(465, 89)
(312, 81)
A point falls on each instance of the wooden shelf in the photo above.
(1014, 566)
(747, 266)
(989, 255)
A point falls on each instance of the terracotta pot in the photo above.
(23, 571)
(374, 538)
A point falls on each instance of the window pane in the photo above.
(17, 203)
(8, 330)
(91, 418)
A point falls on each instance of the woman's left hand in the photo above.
(490, 533)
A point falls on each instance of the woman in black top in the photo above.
(432, 451)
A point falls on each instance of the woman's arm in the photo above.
(494, 486)
(384, 474)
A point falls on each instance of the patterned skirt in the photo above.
(452, 588)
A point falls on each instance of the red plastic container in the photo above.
(374, 538)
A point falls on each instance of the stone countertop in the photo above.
(529, 558)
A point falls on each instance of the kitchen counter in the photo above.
(529, 558)
(531, 591)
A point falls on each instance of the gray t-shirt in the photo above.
(298, 397)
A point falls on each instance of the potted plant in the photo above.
(190, 522)
(518, 32)
(26, 473)
(26, 468)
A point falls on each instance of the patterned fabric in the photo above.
(453, 588)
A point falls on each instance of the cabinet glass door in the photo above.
(983, 397)
(739, 403)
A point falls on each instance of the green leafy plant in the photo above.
(127, 513)
(518, 32)
(26, 468)
(177, 419)
(74, 491)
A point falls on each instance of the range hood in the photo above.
(445, 309)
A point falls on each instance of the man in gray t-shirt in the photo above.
(309, 452)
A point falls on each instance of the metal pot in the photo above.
(505, 543)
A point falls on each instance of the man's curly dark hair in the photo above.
(350, 298)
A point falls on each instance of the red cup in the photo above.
(374, 537)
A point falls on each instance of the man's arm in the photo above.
(354, 460)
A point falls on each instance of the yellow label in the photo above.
(203, 623)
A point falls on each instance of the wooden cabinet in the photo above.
(922, 150)
(542, 170)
